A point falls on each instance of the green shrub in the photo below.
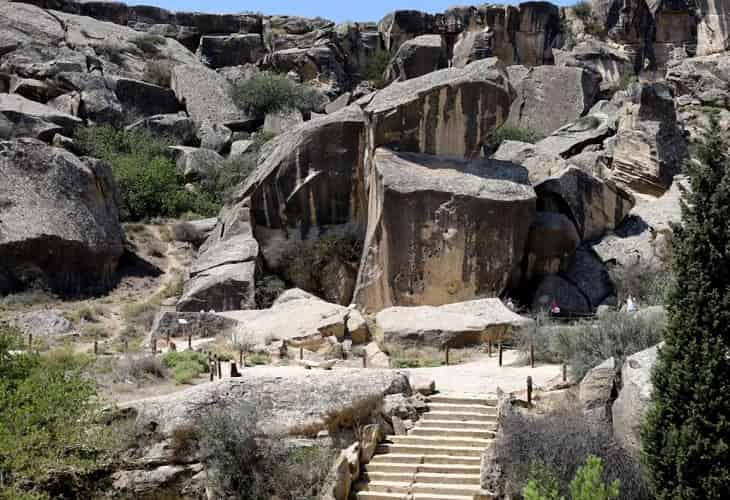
(588, 484)
(185, 366)
(158, 73)
(113, 53)
(374, 72)
(148, 43)
(588, 343)
(647, 283)
(49, 414)
(508, 133)
(584, 11)
(146, 176)
(140, 316)
(269, 92)
(268, 290)
(258, 358)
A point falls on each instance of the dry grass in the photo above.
(426, 357)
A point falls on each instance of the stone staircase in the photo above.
(440, 457)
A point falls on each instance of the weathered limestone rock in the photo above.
(222, 276)
(231, 50)
(555, 288)
(46, 322)
(549, 97)
(32, 89)
(370, 438)
(597, 391)
(713, 30)
(702, 80)
(357, 327)
(196, 163)
(453, 325)
(282, 121)
(539, 26)
(422, 55)
(633, 400)
(311, 178)
(611, 63)
(338, 281)
(60, 222)
(451, 111)
(442, 230)
(551, 244)
(590, 276)
(284, 397)
(301, 319)
(194, 231)
(473, 46)
(649, 147)
(240, 148)
(539, 162)
(323, 63)
(36, 119)
(214, 136)
(205, 94)
(375, 357)
(571, 139)
(178, 127)
(594, 205)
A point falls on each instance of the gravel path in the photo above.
(485, 375)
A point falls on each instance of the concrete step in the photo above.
(462, 400)
(418, 458)
(464, 416)
(421, 467)
(445, 489)
(385, 486)
(441, 441)
(457, 424)
(428, 496)
(379, 495)
(415, 449)
(450, 479)
(452, 432)
(463, 408)
(389, 477)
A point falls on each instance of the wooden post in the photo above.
(154, 346)
(529, 391)
(211, 367)
(500, 352)
(532, 354)
(190, 341)
(218, 364)
(447, 355)
(565, 372)
(126, 345)
(489, 347)
(364, 360)
(240, 356)
(168, 337)
(30, 342)
(301, 352)
(96, 347)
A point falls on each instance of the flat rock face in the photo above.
(540, 163)
(283, 397)
(551, 244)
(596, 391)
(205, 93)
(453, 325)
(297, 316)
(549, 97)
(603, 58)
(446, 112)
(713, 31)
(442, 230)
(555, 288)
(633, 400)
(422, 55)
(231, 50)
(196, 163)
(222, 277)
(649, 147)
(177, 126)
(60, 222)
(594, 205)
(22, 112)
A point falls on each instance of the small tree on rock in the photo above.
(686, 438)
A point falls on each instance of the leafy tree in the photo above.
(542, 485)
(48, 415)
(686, 438)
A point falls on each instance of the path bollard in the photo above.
(529, 391)
(190, 342)
(30, 342)
(211, 367)
(126, 346)
(301, 353)
(364, 360)
(489, 347)
(154, 346)
(500, 352)
(447, 355)
(532, 354)
(96, 347)
(565, 372)
(218, 363)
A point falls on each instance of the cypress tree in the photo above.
(686, 438)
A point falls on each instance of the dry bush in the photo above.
(184, 231)
(183, 444)
(158, 73)
(562, 442)
(139, 369)
(352, 417)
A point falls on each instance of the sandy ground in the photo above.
(485, 375)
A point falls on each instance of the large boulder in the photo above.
(551, 244)
(650, 147)
(231, 50)
(442, 230)
(59, 220)
(702, 80)
(284, 398)
(195, 164)
(321, 64)
(633, 399)
(588, 273)
(597, 391)
(298, 317)
(601, 58)
(539, 162)
(34, 119)
(205, 94)
(178, 127)
(594, 205)
(453, 325)
(448, 112)
(222, 276)
(423, 54)
(549, 97)
(554, 288)
(713, 30)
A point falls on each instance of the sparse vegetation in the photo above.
(148, 43)
(140, 316)
(258, 358)
(113, 53)
(135, 369)
(269, 92)
(587, 484)
(553, 448)
(146, 176)
(185, 366)
(158, 73)
(509, 133)
(589, 343)
(374, 72)
(648, 283)
(268, 290)
(584, 11)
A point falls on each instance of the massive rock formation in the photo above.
(423, 54)
(649, 146)
(59, 224)
(453, 325)
(441, 230)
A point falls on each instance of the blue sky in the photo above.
(336, 10)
